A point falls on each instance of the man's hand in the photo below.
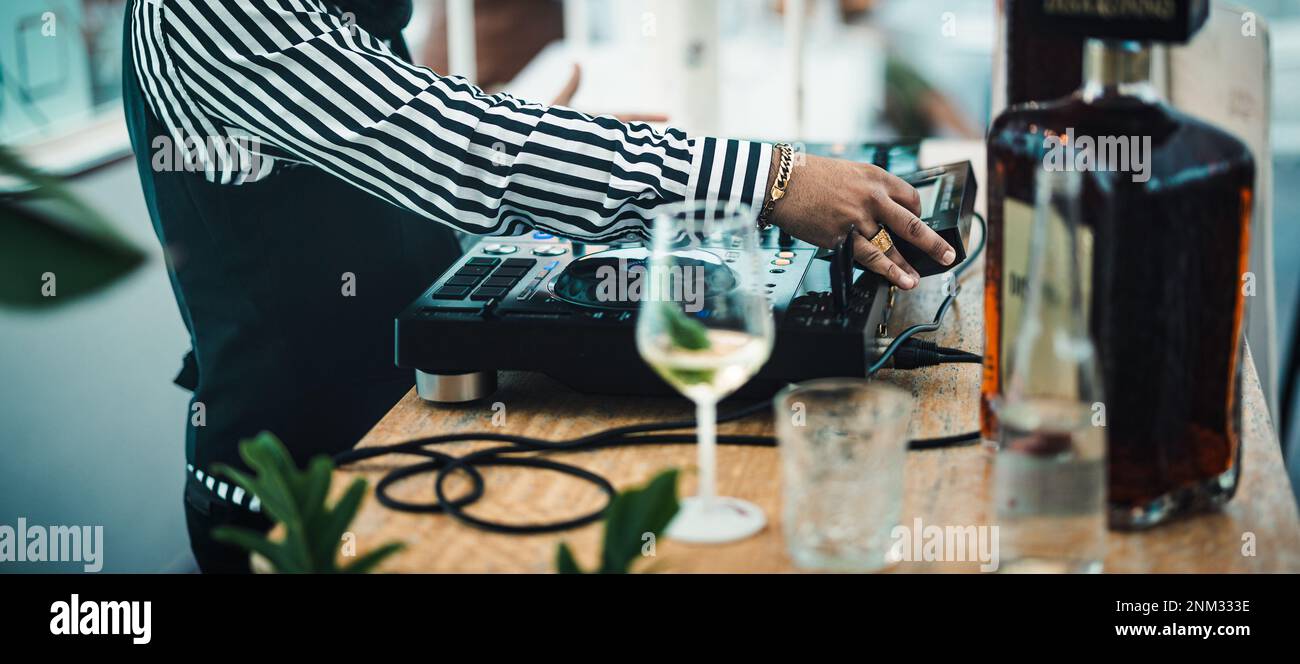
(827, 197)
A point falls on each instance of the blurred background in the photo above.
(91, 426)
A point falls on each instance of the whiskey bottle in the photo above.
(1166, 219)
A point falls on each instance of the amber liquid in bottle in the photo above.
(1168, 260)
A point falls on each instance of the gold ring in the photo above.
(883, 240)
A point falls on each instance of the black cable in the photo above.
(455, 508)
(955, 440)
(443, 465)
(955, 351)
(919, 353)
(943, 307)
(651, 433)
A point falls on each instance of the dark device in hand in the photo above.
(947, 201)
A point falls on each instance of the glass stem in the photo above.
(706, 426)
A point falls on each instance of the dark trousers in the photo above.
(205, 511)
(263, 266)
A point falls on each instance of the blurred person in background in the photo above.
(510, 33)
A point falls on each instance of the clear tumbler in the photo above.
(843, 447)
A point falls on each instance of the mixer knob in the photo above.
(500, 249)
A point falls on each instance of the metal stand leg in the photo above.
(455, 388)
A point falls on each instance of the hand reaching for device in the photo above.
(827, 197)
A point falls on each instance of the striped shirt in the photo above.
(247, 87)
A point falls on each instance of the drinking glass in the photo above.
(705, 327)
(1049, 473)
(843, 444)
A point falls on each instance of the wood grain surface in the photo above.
(943, 487)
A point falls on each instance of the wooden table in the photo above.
(942, 487)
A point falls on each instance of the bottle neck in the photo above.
(1117, 69)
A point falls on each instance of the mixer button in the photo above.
(500, 282)
(483, 260)
(519, 262)
(486, 293)
(781, 262)
(473, 271)
(500, 249)
(451, 293)
(785, 254)
(513, 272)
(550, 250)
(464, 280)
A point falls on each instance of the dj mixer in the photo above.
(530, 303)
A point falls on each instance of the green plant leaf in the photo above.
(331, 524)
(565, 563)
(315, 487)
(294, 547)
(85, 221)
(634, 513)
(684, 331)
(296, 499)
(371, 560)
(276, 486)
(259, 544)
(906, 93)
(298, 547)
(265, 454)
(48, 230)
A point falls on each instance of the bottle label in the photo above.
(1144, 20)
(1017, 226)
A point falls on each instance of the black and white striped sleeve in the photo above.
(299, 79)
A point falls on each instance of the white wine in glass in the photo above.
(706, 329)
(710, 373)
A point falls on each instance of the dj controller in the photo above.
(531, 303)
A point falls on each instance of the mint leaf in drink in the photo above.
(694, 376)
(684, 331)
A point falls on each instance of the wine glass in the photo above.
(705, 327)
